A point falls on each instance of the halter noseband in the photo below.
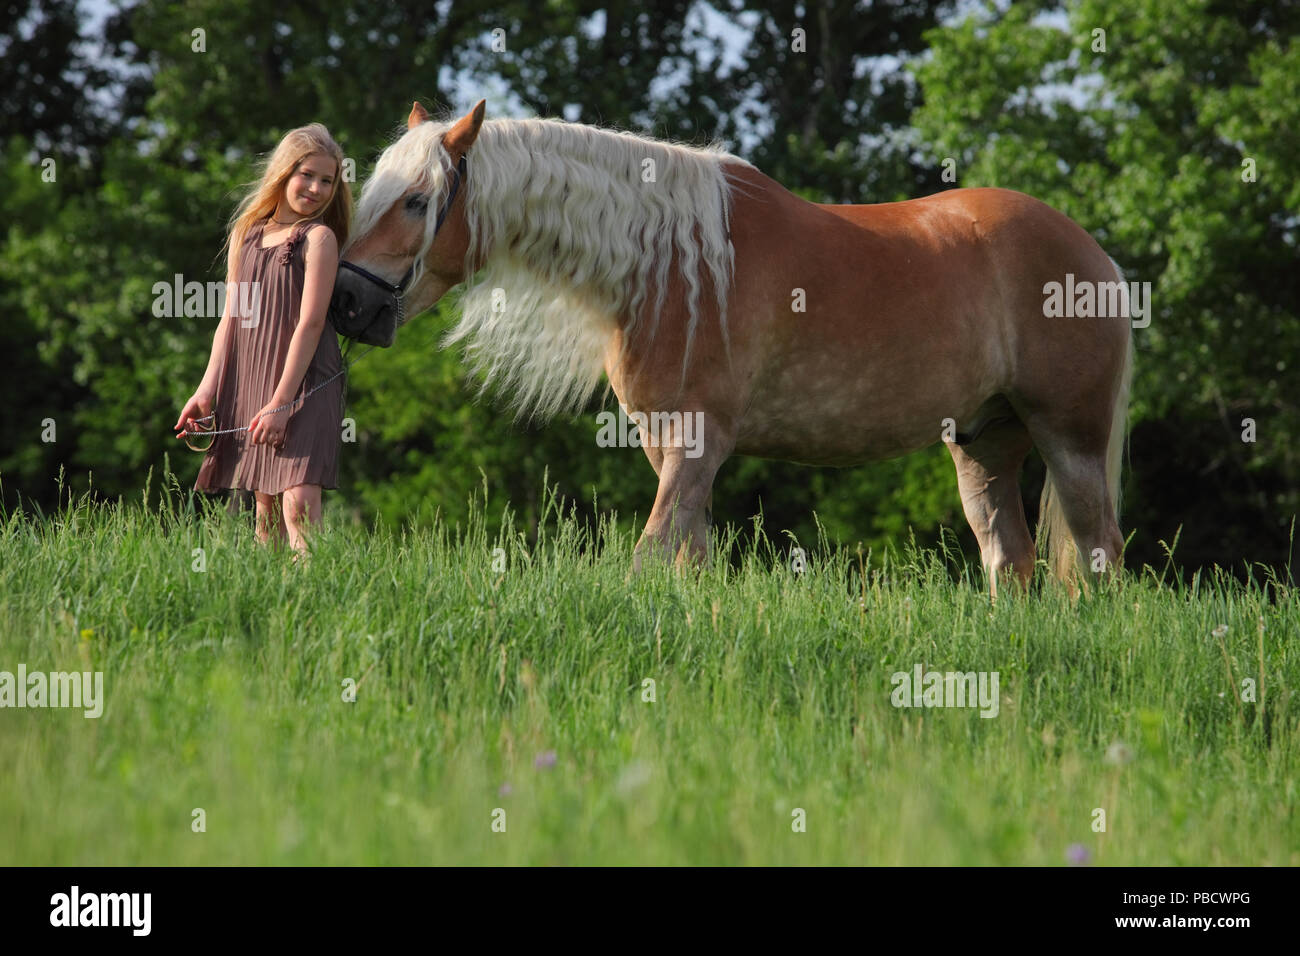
(396, 290)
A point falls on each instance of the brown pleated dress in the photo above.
(256, 353)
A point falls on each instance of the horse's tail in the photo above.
(1054, 541)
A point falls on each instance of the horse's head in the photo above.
(410, 238)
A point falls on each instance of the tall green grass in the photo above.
(771, 694)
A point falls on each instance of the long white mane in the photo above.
(580, 226)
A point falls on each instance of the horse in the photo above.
(787, 329)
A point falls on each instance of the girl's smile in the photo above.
(316, 174)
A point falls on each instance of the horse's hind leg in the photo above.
(988, 476)
(1077, 471)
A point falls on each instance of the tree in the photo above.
(1172, 150)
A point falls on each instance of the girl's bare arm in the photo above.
(201, 402)
(322, 262)
(212, 376)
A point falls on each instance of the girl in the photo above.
(282, 257)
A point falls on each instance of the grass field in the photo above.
(525, 691)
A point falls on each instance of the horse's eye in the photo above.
(417, 204)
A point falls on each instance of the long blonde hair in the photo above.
(264, 194)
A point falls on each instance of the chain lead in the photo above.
(274, 411)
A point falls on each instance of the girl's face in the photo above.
(309, 189)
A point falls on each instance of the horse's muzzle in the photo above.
(362, 309)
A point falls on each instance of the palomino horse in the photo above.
(822, 334)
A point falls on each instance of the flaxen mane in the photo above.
(581, 226)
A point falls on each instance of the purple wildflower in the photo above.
(1077, 854)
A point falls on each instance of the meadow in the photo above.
(524, 701)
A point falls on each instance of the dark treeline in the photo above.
(1170, 132)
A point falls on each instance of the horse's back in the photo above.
(1020, 243)
(990, 215)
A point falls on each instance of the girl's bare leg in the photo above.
(270, 520)
(302, 513)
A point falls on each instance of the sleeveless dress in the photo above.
(257, 349)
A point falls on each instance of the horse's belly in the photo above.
(816, 441)
(848, 408)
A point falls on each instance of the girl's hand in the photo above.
(199, 406)
(269, 426)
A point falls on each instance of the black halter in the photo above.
(457, 175)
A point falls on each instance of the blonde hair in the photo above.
(264, 194)
(580, 239)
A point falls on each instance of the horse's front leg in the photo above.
(678, 527)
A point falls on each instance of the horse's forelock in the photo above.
(414, 161)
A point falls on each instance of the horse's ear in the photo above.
(461, 136)
(418, 115)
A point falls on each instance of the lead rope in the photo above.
(201, 434)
